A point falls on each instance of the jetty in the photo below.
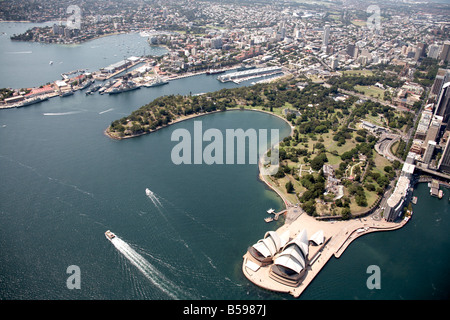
(276, 215)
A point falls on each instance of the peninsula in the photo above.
(331, 179)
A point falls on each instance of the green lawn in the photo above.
(371, 91)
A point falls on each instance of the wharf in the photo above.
(276, 215)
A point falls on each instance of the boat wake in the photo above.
(19, 52)
(60, 113)
(153, 197)
(102, 112)
(148, 270)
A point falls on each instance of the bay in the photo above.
(64, 183)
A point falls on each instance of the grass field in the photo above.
(371, 91)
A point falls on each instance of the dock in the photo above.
(276, 215)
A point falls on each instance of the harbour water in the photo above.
(63, 183)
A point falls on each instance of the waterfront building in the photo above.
(444, 162)
(396, 202)
(290, 265)
(265, 249)
(249, 73)
(400, 197)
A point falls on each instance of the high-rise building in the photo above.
(444, 162)
(429, 151)
(442, 76)
(443, 104)
(326, 36)
(420, 51)
(334, 63)
(445, 52)
(433, 51)
(351, 49)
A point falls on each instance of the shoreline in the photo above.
(107, 133)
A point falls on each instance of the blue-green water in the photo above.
(63, 183)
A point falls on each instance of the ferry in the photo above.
(109, 235)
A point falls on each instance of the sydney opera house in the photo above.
(286, 258)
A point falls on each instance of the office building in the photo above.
(326, 36)
(445, 52)
(420, 51)
(429, 152)
(443, 103)
(442, 76)
(444, 162)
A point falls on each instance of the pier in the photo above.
(276, 215)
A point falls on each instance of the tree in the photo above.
(309, 207)
(289, 187)
(318, 162)
(346, 213)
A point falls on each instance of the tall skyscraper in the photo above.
(444, 163)
(420, 51)
(326, 36)
(443, 104)
(433, 51)
(442, 76)
(445, 52)
(351, 49)
(429, 151)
